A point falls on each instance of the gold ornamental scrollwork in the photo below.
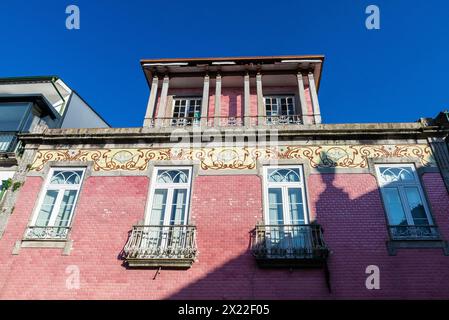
(236, 158)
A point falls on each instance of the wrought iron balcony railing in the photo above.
(289, 245)
(8, 141)
(401, 232)
(46, 233)
(161, 246)
(230, 121)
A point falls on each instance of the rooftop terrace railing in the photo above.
(228, 121)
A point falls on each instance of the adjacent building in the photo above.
(233, 188)
(30, 104)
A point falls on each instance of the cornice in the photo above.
(354, 131)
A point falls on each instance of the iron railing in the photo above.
(291, 242)
(229, 121)
(46, 233)
(161, 242)
(409, 232)
(8, 141)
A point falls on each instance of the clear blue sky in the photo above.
(397, 73)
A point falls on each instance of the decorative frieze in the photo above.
(236, 158)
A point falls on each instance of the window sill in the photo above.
(394, 245)
(64, 244)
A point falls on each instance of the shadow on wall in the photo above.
(354, 223)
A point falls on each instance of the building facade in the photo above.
(232, 189)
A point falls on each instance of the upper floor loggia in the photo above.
(233, 91)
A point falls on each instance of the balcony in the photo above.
(289, 246)
(413, 233)
(415, 237)
(46, 233)
(172, 246)
(236, 121)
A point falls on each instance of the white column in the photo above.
(151, 102)
(260, 102)
(246, 100)
(205, 101)
(302, 100)
(314, 97)
(217, 111)
(163, 100)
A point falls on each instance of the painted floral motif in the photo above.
(236, 158)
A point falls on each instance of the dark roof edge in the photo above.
(29, 79)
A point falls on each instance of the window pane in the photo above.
(396, 174)
(158, 207)
(46, 208)
(172, 176)
(11, 116)
(66, 177)
(394, 207)
(416, 206)
(283, 175)
(66, 209)
(296, 206)
(178, 206)
(276, 214)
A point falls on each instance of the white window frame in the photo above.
(61, 188)
(278, 102)
(284, 186)
(400, 185)
(187, 106)
(170, 187)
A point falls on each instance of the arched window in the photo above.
(285, 196)
(57, 203)
(402, 195)
(169, 197)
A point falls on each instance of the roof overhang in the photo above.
(191, 67)
(55, 91)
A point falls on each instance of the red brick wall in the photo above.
(225, 209)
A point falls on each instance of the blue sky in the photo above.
(397, 73)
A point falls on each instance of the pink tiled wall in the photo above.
(232, 99)
(347, 205)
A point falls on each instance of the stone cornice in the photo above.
(414, 130)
